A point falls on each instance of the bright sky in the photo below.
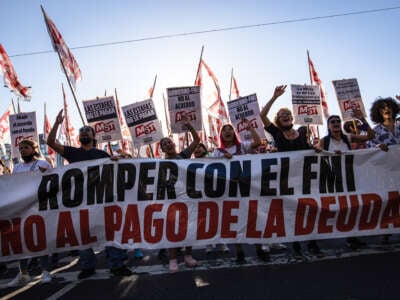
(364, 46)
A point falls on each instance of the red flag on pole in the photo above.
(316, 80)
(234, 88)
(10, 76)
(5, 127)
(66, 57)
(67, 128)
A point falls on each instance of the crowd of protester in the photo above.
(356, 134)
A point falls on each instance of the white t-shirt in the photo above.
(34, 165)
(339, 145)
(245, 148)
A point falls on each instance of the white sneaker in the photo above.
(278, 246)
(46, 277)
(20, 279)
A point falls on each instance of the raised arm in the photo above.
(279, 90)
(51, 139)
(196, 138)
(256, 138)
(359, 137)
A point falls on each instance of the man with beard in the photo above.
(88, 151)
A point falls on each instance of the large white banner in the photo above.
(349, 97)
(184, 102)
(306, 100)
(246, 108)
(22, 126)
(150, 203)
(142, 121)
(101, 114)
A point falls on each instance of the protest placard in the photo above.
(144, 126)
(101, 114)
(246, 108)
(184, 102)
(306, 100)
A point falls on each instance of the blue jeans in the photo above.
(115, 258)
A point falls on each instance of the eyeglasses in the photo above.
(85, 129)
(284, 114)
(334, 121)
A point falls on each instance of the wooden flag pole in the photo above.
(154, 86)
(13, 105)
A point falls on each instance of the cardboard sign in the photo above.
(349, 97)
(246, 108)
(22, 126)
(306, 100)
(101, 114)
(184, 101)
(142, 121)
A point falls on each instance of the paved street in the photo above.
(370, 273)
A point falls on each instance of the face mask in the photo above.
(85, 140)
(28, 158)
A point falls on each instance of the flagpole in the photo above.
(198, 66)
(65, 72)
(166, 115)
(66, 116)
(13, 105)
(230, 87)
(154, 86)
(309, 69)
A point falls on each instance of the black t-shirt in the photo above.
(73, 154)
(283, 144)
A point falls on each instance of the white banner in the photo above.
(141, 118)
(246, 107)
(150, 203)
(184, 101)
(306, 100)
(101, 114)
(349, 97)
(22, 126)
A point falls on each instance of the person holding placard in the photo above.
(230, 145)
(168, 147)
(88, 151)
(287, 139)
(30, 154)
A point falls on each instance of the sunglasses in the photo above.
(281, 115)
(85, 129)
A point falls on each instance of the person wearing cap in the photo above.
(88, 151)
(29, 151)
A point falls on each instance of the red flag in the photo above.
(66, 57)
(126, 137)
(5, 125)
(10, 76)
(316, 80)
(216, 114)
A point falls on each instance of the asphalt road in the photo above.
(369, 273)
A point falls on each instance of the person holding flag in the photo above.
(88, 151)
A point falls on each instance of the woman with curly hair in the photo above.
(383, 113)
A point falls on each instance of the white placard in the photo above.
(22, 126)
(349, 97)
(306, 101)
(101, 114)
(246, 107)
(141, 118)
(184, 101)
